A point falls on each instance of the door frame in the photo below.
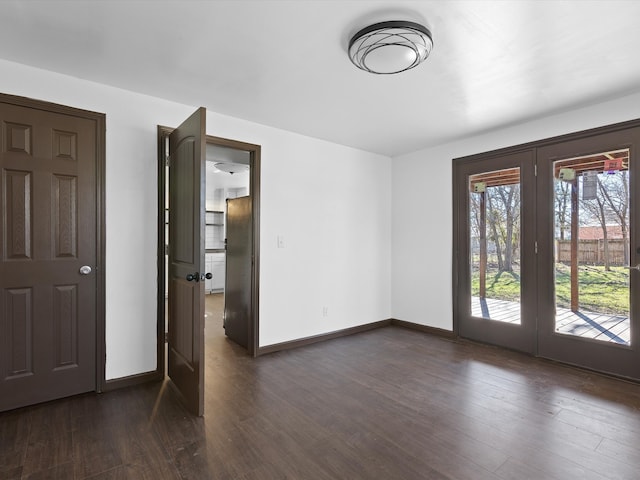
(254, 191)
(459, 229)
(100, 184)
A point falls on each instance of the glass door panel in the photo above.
(588, 236)
(591, 255)
(494, 239)
(494, 262)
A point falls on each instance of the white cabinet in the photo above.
(214, 264)
(208, 268)
(214, 260)
(219, 196)
(218, 272)
(214, 229)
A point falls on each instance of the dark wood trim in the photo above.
(235, 144)
(254, 331)
(255, 279)
(51, 107)
(101, 294)
(100, 122)
(457, 200)
(133, 380)
(615, 127)
(163, 134)
(276, 347)
(440, 332)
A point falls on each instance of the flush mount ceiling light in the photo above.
(390, 47)
(231, 167)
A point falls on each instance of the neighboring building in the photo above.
(596, 232)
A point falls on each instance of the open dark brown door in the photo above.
(237, 299)
(48, 252)
(186, 259)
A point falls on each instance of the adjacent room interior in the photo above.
(227, 177)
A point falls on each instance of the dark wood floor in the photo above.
(386, 404)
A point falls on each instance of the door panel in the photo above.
(65, 325)
(592, 246)
(64, 202)
(495, 251)
(588, 300)
(17, 208)
(239, 268)
(494, 217)
(18, 318)
(48, 199)
(186, 260)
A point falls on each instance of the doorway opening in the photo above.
(232, 172)
(227, 301)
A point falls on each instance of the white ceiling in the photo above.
(284, 63)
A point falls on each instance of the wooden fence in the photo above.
(592, 251)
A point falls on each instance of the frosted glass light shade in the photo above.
(390, 47)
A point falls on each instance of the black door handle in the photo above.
(193, 277)
(206, 276)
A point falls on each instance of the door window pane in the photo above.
(591, 208)
(494, 229)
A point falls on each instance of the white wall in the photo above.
(218, 181)
(331, 204)
(422, 207)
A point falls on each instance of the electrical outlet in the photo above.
(325, 311)
(280, 241)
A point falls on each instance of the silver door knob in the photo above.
(637, 267)
(85, 270)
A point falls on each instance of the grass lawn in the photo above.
(600, 291)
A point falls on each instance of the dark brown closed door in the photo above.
(47, 255)
(237, 295)
(187, 150)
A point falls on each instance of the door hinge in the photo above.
(535, 170)
(166, 249)
(167, 161)
(535, 247)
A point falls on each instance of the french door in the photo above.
(588, 239)
(495, 245)
(547, 249)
